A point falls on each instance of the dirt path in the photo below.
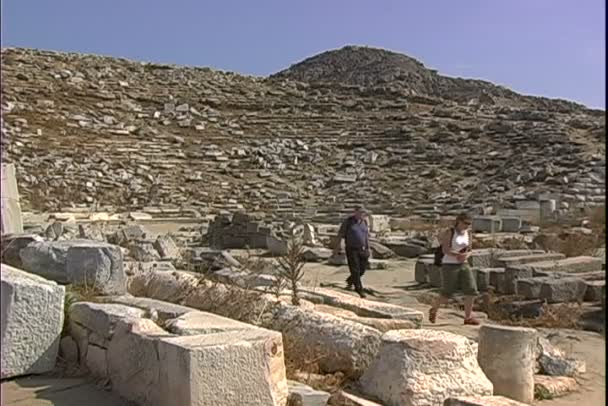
(394, 285)
(56, 391)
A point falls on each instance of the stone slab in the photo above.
(252, 369)
(32, 320)
(362, 307)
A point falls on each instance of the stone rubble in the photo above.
(192, 141)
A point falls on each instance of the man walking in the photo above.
(356, 234)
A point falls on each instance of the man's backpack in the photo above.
(439, 251)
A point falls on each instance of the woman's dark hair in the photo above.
(463, 218)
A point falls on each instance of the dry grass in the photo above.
(562, 315)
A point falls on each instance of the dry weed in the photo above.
(291, 267)
(561, 315)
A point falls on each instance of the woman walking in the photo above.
(456, 275)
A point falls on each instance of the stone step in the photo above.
(506, 262)
(573, 265)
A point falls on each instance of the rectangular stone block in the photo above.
(133, 362)
(101, 318)
(482, 278)
(379, 223)
(31, 322)
(563, 290)
(233, 368)
(486, 224)
(421, 270)
(506, 262)
(362, 307)
(571, 265)
(511, 276)
(511, 224)
(485, 258)
(495, 275)
(529, 288)
(593, 293)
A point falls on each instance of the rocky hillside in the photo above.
(90, 131)
(378, 68)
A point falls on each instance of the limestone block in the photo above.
(424, 367)
(487, 224)
(379, 223)
(32, 320)
(197, 323)
(563, 290)
(96, 361)
(230, 368)
(507, 357)
(133, 363)
(99, 265)
(362, 307)
(101, 318)
(421, 270)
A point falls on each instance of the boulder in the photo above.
(98, 265)
(32, 320)
(424, 367)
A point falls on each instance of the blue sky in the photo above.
(553, 48)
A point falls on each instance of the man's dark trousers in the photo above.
(357, 263)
